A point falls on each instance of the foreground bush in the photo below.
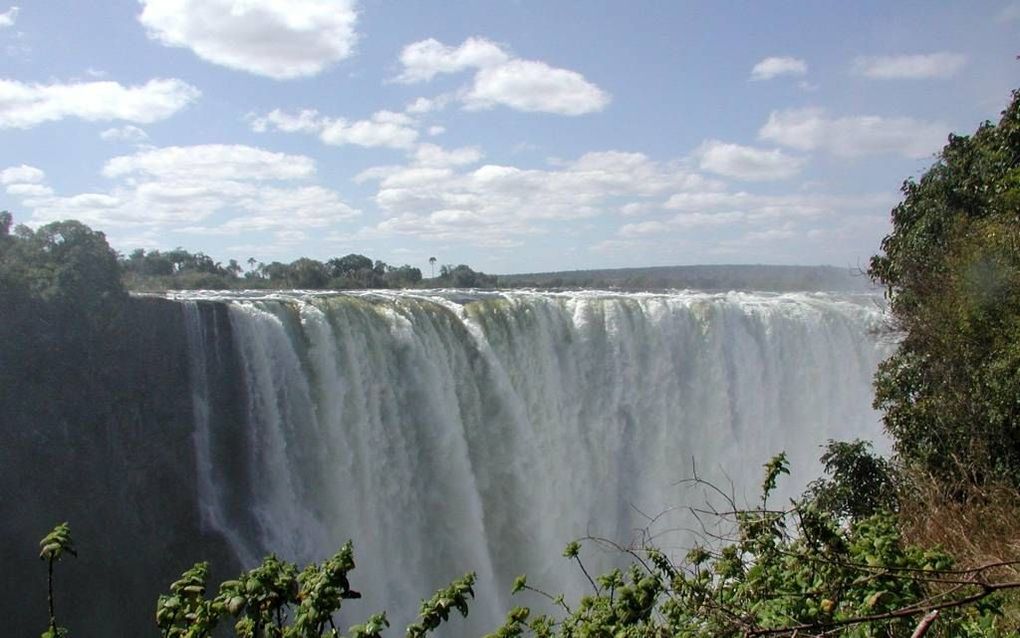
(833, 562)
(818, 567)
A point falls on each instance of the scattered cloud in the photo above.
(747, 163)
(290, 236)
(433, 155)
(811, 129)
(127, 133)
(773, 67)
(23, 174)
(424, 105)
(8, 18)
(29, 191)
(758, 207)
(910, 67)
(634, 209)
(638, 229)
(495, 205)
(614, 247)
(280, 39)
(727, 224)
(383, 129)
(210, 161)
(682, 221)
(28, 105)
(531, 86)
(426, 59)
(304, 121)
(426, 162)
(436, 130)
(180, 188)
(500, 79)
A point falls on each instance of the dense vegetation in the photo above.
(832, 562)
(179, 269)
(70, 264)
(951, 393)
(65, 264)
(853, 556)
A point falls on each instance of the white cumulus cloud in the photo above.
(423, 60)
(812, 129)
(23, 174)
(180, 188)
(424, 105)
(127, 133)
(528, 85)
(434, 155)
(280, 39)
(7, 18)
(744, 224)
(746, 163)
(437, 197)
(500, 79)
(304, 121)
(772, 67)
(27, 105)
(910, 67)
(383, 129)
(29, 191)
(211, 162)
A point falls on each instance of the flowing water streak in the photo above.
(209, 494)
(446, 432)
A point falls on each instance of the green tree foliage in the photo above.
(463, 276)
(806, 569)
(802, 570)
(307, 273)
(179, 269)
(71, 265)
(951, 265)
(857, 484)
(275, 600)
(350, 266)
(358, 271)
(65, 264)
(53, 546)
(402, 276)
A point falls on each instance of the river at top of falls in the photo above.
(451, 431)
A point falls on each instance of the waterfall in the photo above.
(448, 432)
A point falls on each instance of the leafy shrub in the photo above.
(811, 569)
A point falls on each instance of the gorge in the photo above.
(442, 431)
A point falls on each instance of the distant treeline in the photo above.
(726, 277)
(179, 269)
(31, 262)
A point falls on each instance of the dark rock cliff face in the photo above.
(96, 428)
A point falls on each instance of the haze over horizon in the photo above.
(514, 137)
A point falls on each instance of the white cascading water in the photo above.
(448, 432)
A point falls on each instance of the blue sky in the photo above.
(511, 136)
